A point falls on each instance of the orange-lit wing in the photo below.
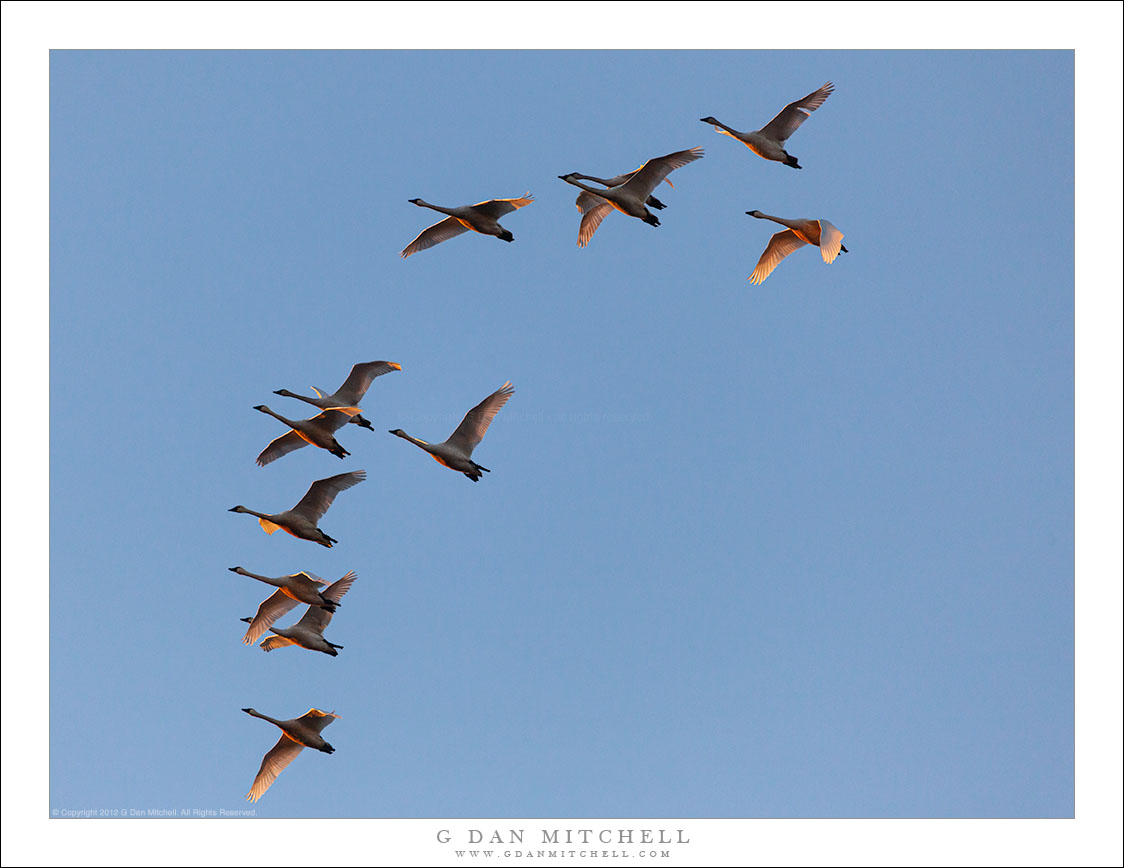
(592, 218)
(497, 208)
(780, 245)
(273, 607)
(831, 239)
(316, 719)
(283, 753)
(448, 228)
(283, 445)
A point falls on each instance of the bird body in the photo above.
(301, 521)
(769, 141)
(308, 632)
(819, 233)
(351, 392)
(483, 217)
(629, 197)
(296, 734)
(456, 452)
(317, 431)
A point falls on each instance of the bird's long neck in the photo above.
(254, 713)
(277, 416)
(267, 579)
(722, 126)
(287, 394)
(569, 179)
(592, 178)
(416, 441)
(423, 204)
(762, 216)
(252, 512)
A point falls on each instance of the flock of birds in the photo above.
(303, 522)
(629, 193)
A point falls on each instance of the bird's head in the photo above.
(753, 213)
(709, 120)
(238, 508)
(397, 432)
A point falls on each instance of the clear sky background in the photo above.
(803, 549)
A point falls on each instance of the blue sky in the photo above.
(797, 550)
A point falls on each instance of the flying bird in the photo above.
(318, 431)
(630, 197)
(456, 452)
(820, 233)
(308, 632)
(303, 587)
(351, 392)
(483, 217)
(301, 520)
(768, 142)
(296, 734)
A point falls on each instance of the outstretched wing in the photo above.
(648, 176)
(323, 491)
(795, 113)
(273, 607)
(475, 423)
(283, 445)
(283, 753)
(334, 418)
(497, 208)
(272, 643)
(620, 179)
(317, 617)
(316, 719)
(831, 239)
(339, 587)
(595, 211)
(360, 379)
(780, 245)
(443, 230)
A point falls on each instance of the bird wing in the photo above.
(361, 377)
(271, 643)
(283, 445)
(312, 577)
(648, 176)
(314, 618)
(496, 208)
(333, 419)
(620, 179)
(794, 114)
(831, 239)
(476, 421)
(780, 245)
(323, 491)
(591, 218)
(283, 753)
(316, 719)
(339, 587)
(273, 607)
(443, 230)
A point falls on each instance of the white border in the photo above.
(29, 30)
